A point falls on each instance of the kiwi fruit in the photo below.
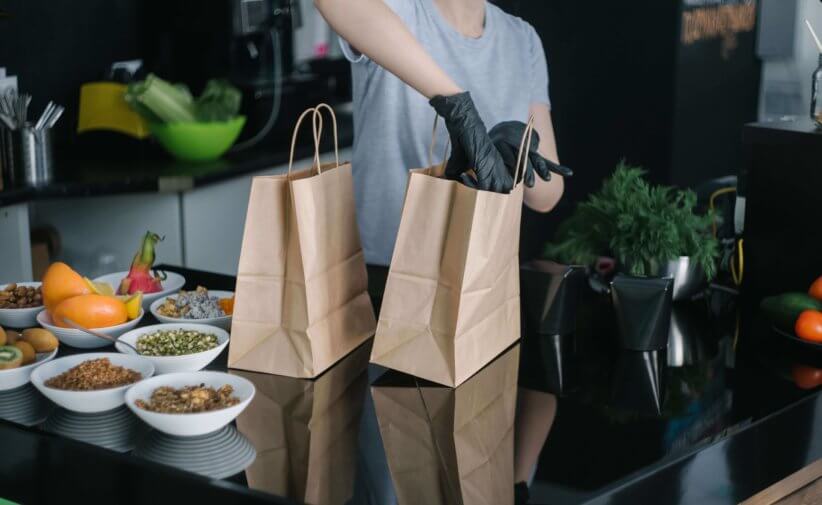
(11, 337)
(41, 340)
(29, 356)
(10, 357)
(3, 337)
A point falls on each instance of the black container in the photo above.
(550, 297)
(638, 384)
(643, 311)
(549, 363)
(550, 294)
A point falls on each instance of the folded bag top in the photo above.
(301, 297)
(451, 301)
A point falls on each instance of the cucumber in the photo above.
(782, 310)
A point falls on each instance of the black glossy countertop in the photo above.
(723, 413)
(158, 172)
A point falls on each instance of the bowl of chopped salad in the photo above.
(201, 306)
(175, 347)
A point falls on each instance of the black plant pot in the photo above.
(638, 383)
(549, 363)
(643, 311)
(550, 294)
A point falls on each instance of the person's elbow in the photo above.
(322, 5)
(545, 195)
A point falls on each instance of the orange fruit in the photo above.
(809, 325)
(816, 288)
(91, 311)
(61, 282)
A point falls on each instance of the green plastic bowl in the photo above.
(198, 141)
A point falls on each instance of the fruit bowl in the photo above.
(199, 423)
(223, 322)
(184, 363)
(174, 282)
(16, 377)
(20, 318)
(99, 400)
(81, 339)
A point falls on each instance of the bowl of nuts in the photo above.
(20, 302)
(175, 347)
(188, 404)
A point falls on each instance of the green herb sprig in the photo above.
(641, 225)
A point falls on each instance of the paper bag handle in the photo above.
(311, 110)
(431, 146)
(524, 146)
(318, 117)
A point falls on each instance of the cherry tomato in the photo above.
(807, 377)
(816, 288)
(809, 325)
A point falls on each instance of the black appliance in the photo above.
(249, 42)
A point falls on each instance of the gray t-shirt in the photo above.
(505, 71)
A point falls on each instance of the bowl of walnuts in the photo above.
(20, 302)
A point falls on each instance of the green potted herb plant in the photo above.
(660, 244)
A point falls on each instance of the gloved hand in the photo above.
(471, 147)
(507, 137)
(492, 155)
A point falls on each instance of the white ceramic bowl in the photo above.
(88, 401)
(189, 425)
(184, 363)
(16, 377)
(20, 318)
(174, 282)
(223, 322)
(81, 339)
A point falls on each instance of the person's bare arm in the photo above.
(545, 195)
(375, 30)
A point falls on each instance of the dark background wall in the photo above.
(54, 46)
(623, 84)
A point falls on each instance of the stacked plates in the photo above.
(24, 405)
(218, 455)
(116, 429)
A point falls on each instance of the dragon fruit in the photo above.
(139, 276)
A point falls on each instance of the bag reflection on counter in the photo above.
(451, 446)
(305, 431)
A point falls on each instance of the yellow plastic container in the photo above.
(102, 107)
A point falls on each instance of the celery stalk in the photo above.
(165, 101)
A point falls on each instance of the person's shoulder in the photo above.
(511, 24)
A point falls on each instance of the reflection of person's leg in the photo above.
(535, 415)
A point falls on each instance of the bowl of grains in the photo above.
(91, 382)
(187, 404)
(20, 302)
(176, 347)
(199, 306)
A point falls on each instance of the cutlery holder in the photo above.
(26, 158)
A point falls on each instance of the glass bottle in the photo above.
(816, 94)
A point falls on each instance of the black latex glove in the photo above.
(471, 147)
(507, 137)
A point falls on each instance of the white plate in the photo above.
(81, 339)
(223, 322)
(174, 282)
(20, 318)
(184, 363)
(16, 377)
(88, 401)
(189, 425)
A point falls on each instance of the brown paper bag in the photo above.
(452, 446)
(451, 303)
(305, 431)
(301, 301)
